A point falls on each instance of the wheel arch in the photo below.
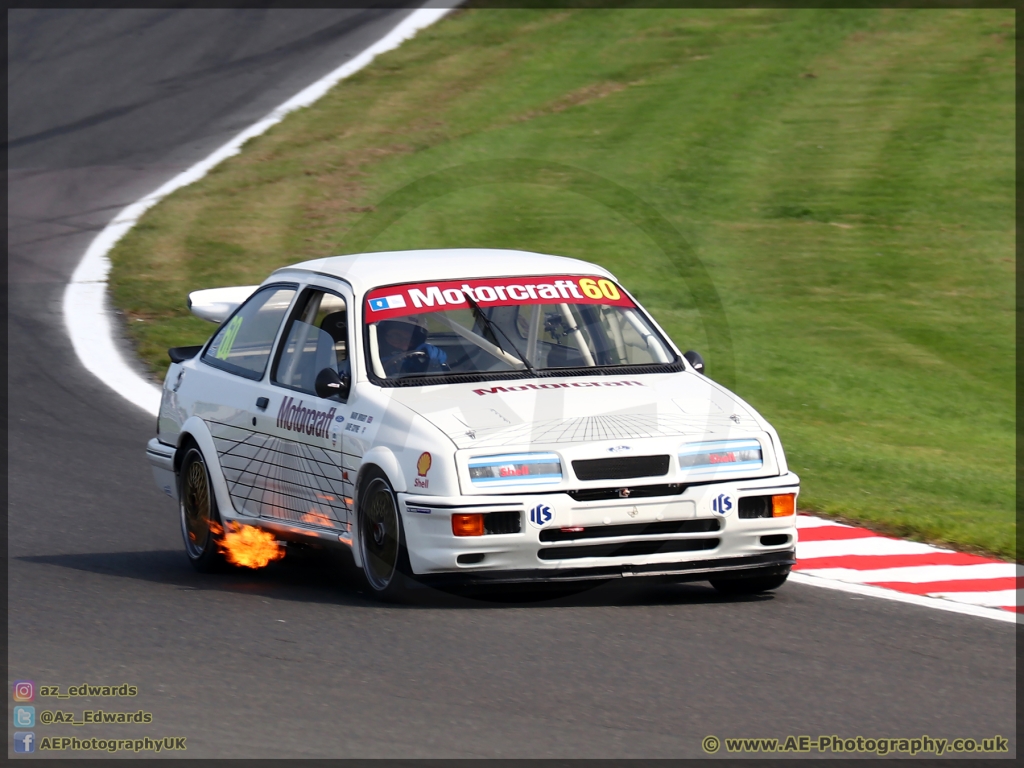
(384, 459)
(196, 431)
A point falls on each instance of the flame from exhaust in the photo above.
(246, 545)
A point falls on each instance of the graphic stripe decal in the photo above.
(282, 479)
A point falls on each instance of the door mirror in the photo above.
(329, 384)
(694, 359)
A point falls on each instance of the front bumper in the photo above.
(685, 536)
(161, 459)
(768, 564)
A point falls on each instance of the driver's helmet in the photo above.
(411, 327)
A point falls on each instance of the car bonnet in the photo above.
(548, 411)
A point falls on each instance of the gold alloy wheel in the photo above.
(195, 505)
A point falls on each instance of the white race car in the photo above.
(471, 416)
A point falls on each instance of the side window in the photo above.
(242, 345)
(316, 338)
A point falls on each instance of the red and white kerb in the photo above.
(416, 298)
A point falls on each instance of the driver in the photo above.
(404, 348)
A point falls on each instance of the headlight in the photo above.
(515, 469)
(721, 456)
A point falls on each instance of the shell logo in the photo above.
(423, 464)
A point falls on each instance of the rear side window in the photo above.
(242, 345)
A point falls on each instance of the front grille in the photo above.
(627, 549)
(640, 492)
(503, 522)
(659, 528)
(755, 506)
(621, 467)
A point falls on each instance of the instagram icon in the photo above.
(24, 690)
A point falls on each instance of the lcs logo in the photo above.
(540, 515)
(721, 503)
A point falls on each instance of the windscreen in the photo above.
(500, 325)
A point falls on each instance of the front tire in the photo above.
(200, 520)
(381, 537)
(750, 586)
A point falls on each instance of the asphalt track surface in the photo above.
(294, 661)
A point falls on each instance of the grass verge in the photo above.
(845, 177)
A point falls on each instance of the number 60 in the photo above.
(599, 289)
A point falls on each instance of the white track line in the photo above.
(994, 599)
(918, 574)
(806, 521)
(799, 577)
(869, 545)
(86, 317)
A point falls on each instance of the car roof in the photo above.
(365, 271)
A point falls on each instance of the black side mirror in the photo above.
(694, 359)
(329, 384)
(181, 354)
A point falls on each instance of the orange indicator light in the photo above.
(783, 506)
(468, 525)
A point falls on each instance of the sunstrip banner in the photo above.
(417, 298)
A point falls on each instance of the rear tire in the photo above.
(382, 549)
(199, 515)
(749, 586)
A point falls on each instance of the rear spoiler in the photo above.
(217, 304)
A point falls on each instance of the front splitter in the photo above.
(767, 564)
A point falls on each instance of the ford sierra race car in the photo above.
(468, 416)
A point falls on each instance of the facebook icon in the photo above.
(24, 741)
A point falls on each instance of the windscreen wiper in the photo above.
(492, 327)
